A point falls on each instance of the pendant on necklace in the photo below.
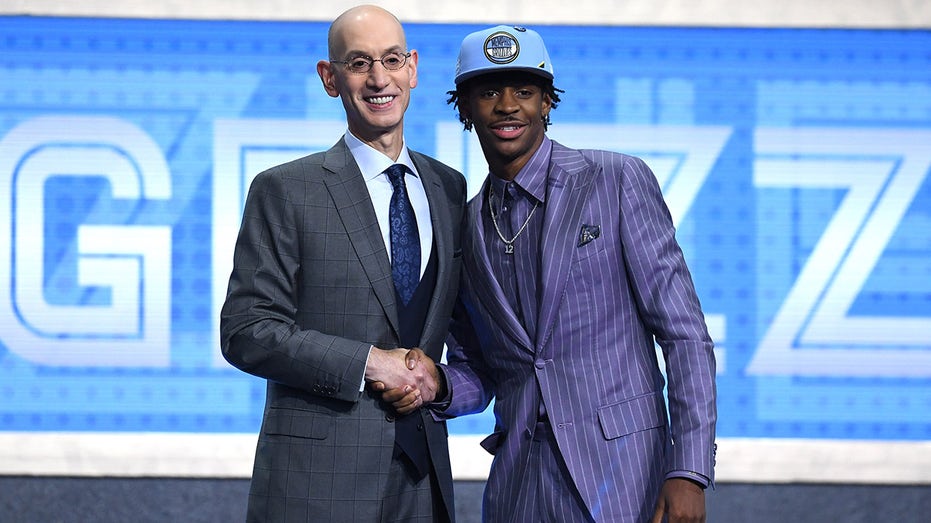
(509, 248)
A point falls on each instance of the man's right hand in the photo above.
(389, 366)
(408, 397)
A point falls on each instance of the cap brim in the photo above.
(496, 70)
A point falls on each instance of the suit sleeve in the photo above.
(670, 308)
(467, 376)
(257, 324)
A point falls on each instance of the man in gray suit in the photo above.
(571, 270)
(343, 257)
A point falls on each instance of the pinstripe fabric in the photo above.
(517, 272)
(548, 493)
(311, 290)
(592, 362)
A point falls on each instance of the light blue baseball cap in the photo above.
(503, 48)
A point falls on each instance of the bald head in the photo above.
(360, 19)
(375, 99)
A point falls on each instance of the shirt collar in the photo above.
(532, 176)
(372, 162)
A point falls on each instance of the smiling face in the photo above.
(374, 101)
(507, 110)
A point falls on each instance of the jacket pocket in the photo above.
(493, 442)
(634, 415)
(298, 423)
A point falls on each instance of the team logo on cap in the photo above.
(501, 48)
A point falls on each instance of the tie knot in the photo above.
(396, 175)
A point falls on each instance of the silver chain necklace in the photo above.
(508, 244)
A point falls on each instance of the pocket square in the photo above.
(588, 233)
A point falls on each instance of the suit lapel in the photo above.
(567, 194)
(482, 280)
(443, 229)
(345, 183)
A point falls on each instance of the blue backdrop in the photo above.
(795, 163)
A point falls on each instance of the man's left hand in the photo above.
(681, 501)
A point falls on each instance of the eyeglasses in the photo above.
(362, 64)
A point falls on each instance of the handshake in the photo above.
(407, 378)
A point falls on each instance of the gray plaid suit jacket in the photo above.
(604, 298)
(310, 292)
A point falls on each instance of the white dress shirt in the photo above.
(373, 163)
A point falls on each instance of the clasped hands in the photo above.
(407, 378)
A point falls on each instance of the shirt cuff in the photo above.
(695, 477)
(367, 356)
(441, 404)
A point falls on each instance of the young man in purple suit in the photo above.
(571, 270)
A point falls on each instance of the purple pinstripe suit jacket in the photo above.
(594, 363)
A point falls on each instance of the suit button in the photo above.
(389, 418)
(540, 363)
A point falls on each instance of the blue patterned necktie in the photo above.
(405, 238)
